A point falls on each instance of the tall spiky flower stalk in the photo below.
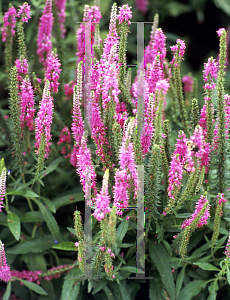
(124, 17)
(179, 50)
(42, 127)
(7, 34)
(4, 268)
(218, 214)
(198, 219)
(15, 115)
(221, 113)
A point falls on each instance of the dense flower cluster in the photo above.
(53, 71)
(125, 14)
(210, 72)
(5, 274)
(188, 83)
(44, 42)
(25, 12)
(60, 4)
(27, 105)
(44, 119)
(9, 21)
(203, 220)
(180, 45)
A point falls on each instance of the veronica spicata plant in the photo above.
(149, 204)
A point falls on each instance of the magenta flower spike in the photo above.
(44, 42)
(60, 4)
(5, 274)
(112, 37)
(203, 220)
(2, 187)
(44, 119)
(86, 170)
(103, 199)
(53, 71)
(125, 14)
(91, 14)
(25, 12)
(227, 248)
(27, 105)
(142, 6)
(9, 21)
(188, 82)
(210, 73)
(175, 49)
(125, 177)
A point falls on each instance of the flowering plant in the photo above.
(109, 140)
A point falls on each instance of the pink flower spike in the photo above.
(142, 6)
(188, 82)
(9, 20)
(198, 207)
(44, 33)
(220, 31)
(222, 199)
(53, 71)
(44, 119)
(210, 73)
(4, 268)
(60, 4)
(125, 14)
(27, 105)
(103, 199)
(25, 12)
(76, 244)
(175, 49)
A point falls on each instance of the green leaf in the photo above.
(27, 193)
(157, 254)
(7, 293)
(69, 291)
(99, 286)
(108, 293)
(132, 270)
(52, 167)
(192, 289)
(228, 274)
(121, 230)
(179, 281)
(128, 291)
(72, 230)
(206, 266)
(49, 204)
(34, 287)
(69, 199)
(69, 246)
(32, 217)
(154, 291)
(14, 224)
(50, 221)
(125, 245)
(213, 288)
(35, 245)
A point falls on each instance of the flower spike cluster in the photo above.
(53, 71)
(25, 12)
(44, 42)
(9, 21)
(4, 268)
(102, 200)
(44, 120)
